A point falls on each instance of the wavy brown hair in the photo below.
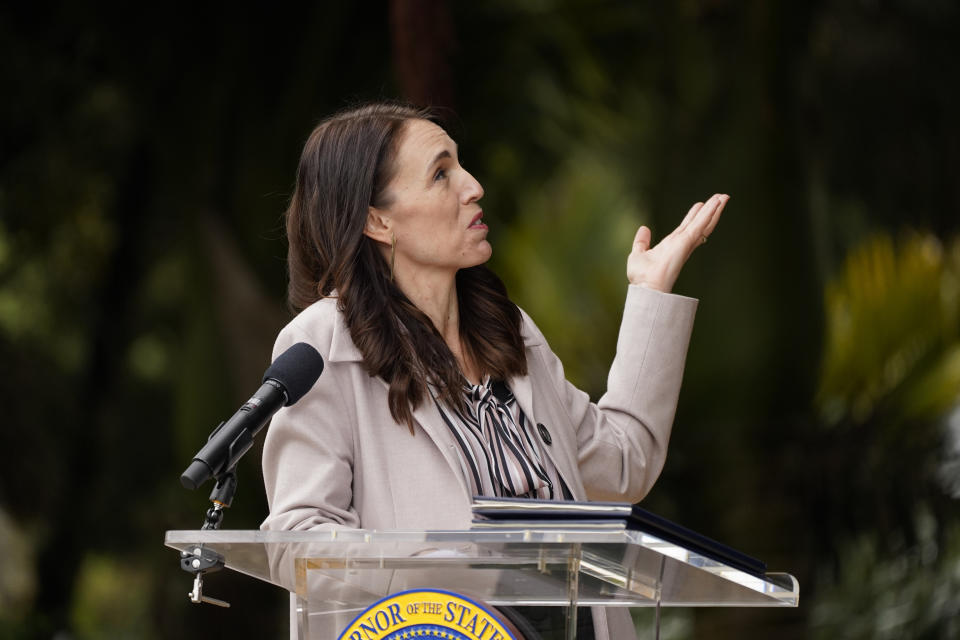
(345, 168)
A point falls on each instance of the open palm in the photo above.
(658, 267)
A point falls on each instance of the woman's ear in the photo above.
(378, 225)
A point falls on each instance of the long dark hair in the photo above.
(345, 168)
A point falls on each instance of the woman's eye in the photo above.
(440, 175)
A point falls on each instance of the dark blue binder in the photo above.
(514, 511)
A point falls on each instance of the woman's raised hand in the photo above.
(658, 267)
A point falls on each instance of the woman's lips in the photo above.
(476, 224)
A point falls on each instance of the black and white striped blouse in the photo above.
(499, 451)
(501, 455)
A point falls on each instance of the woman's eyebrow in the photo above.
(437, 158)
(440, 156)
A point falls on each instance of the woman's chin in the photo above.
(484, 251)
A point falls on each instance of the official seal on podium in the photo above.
(427, 613)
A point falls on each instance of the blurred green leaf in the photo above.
(892, 332)
(878, 595)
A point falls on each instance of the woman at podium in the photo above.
(436, 386)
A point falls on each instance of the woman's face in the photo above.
(432, 206)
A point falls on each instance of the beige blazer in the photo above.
(337, 458)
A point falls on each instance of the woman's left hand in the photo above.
(658, 267)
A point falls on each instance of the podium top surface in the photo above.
(616, 567)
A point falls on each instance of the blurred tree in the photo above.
(136, 171)
(887, 531)
(144, 164)
(423, 39)
(902, 592)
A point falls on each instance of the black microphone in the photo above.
(291, 375)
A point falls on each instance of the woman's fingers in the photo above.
(687, 218)
(641, 240)
(715, 218)
(706, 219)
(658, 267)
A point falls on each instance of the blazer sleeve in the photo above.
(308, 455)
(622, 439)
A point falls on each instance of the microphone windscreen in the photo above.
(297, 369)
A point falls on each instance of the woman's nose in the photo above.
(472, 190)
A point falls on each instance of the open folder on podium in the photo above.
(523, 513)
(337, 573)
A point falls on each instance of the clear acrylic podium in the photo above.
(336, 574)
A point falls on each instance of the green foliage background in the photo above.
(145, 161)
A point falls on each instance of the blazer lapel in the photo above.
(428, 417)
(521, 386)
(342, 348)
(558, 450)
(523, 391)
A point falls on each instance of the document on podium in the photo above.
(512, 513)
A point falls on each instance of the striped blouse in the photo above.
(499, 450)
(501, 456)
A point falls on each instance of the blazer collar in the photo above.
(342, 348)
(523, 392)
